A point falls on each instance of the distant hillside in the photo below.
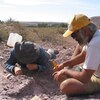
(43, 23)
(96, 20)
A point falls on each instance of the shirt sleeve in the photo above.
(9, 64)
(92, 60)
(42, 68)
(84, 48)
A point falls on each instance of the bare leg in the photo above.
(73, 87)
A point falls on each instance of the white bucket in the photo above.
(13, 38)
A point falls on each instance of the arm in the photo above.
(10, 63)
(36, 67)
(78, 59)
(83, 76)
(77, 51)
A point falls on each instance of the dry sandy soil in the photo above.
(26, 86)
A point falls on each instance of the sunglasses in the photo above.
(74, 35)
(78, 33)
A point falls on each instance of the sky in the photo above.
(47, 10)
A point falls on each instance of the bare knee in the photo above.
(64, 87)
(70, 86)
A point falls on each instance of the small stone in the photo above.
(8, 76)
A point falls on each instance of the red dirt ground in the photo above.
(24, 87)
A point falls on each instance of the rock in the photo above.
(36, 98)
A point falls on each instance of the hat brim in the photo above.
(67, 33)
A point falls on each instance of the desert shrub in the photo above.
(3, 32)
(50, 34)
(11, 26)
(3, 35)
(42, 25)
(9, 21)
(36, 34)
(59, 25)
(21, 29)
(1, 22)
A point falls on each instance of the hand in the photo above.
(32, 66)
(18, 71)
(59, 74)
(60, 66)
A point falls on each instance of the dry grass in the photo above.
(47, 34)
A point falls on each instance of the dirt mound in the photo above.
(24, 87)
